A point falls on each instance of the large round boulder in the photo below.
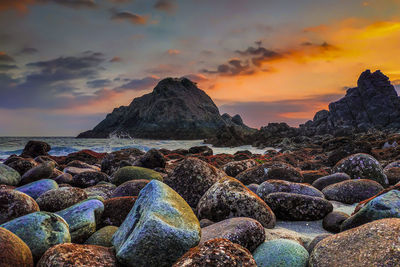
(8, 175)
(273, 186)
(61, 198)
(361, 166)
(14, 204)
(281, 252)
(102, 237)
(296, 207)
(246, 232)
(229, 198)
(192, 178)
(116, 209)
(333, 221)
(272, 170)
(129, 173)
(235, 167)
(22, 165)
(70, 255)
(34, 149)
(372, 244)
(158, 230)
(101, 189)
(14, 252)
(217, 252)
(42, 171)
(130, 188)
(40, 231)
(152, 159)
(352, 191)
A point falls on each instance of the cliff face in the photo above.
(176, 109)
(374, 103)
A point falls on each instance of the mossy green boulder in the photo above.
(8, 175)
(281, 253)
(102, 237)
(134, 173)
(384, 206)
(40, 231)
(37, 188)
(158, 230)
(82, 218)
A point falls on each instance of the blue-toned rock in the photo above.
(82, 218)
(160, 228)
(281, 253)
(40, 231)
(384, 206)
(8, 175)
(37, 188)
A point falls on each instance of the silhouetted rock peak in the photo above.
(374, 103)
(176, 109)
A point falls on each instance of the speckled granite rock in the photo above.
(14, 252)
(14, 204)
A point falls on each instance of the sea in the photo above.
(61, 146)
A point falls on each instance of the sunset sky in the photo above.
(65, 64)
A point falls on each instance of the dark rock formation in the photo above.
(374, 103)
(176, 109)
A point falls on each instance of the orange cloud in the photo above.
(173, 52)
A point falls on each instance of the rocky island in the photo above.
(327, 195)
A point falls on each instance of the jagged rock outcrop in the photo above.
(176, 109)
(374, 103)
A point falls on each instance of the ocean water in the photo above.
(61, 146)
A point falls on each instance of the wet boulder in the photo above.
(273, 186)
(8, 175)
(130, 188)
(14, 252)
(22, 165)
(37, 188)
(102, 189)
(87, 179)
(102, 237)
(229, 198)
(325, 181)
(152, 159)
(14, 204)
(116, 209)
(34, 149)
(134, 173)
(333, 221)
(235, 167)
(61, 198)
(42, 171)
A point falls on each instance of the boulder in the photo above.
(372, 244)
(14, 252)
(281, 252)
(362, 166)
(40, 231)
(87, 179)
(273, 186)
(34, 149)
(116, 210)
(315, 241)
(82, 218)
(323, 182)
(393, 174)
(69, 255)
(118, 159)
(134, 173)
(22, 165)
(192, 178)
(102, 189)
(159, 229)
(296, 207)
(130, 188)
(102, 237)
(8, 175)
(246, 232)
(42, 171)
(152, 159)
(61, 198)
(14, 204)
(234, 168)
(352, 191)
(268, 171)
(217, 252)
(37, 188)
(334, 220)
(229, 198)
(203, 150)
(64, 178)
(383, 206)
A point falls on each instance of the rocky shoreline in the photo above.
(324, 201)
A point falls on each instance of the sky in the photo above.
(65, 64)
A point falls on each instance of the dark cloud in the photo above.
(28, 50)
(6, 67)
(72, 3)
(129, 16)
(233, 67)
(6, 58)
(138, 84)
(99, 83)
(165, 5)
(259, 54)
(257, 114)
(119, 1)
